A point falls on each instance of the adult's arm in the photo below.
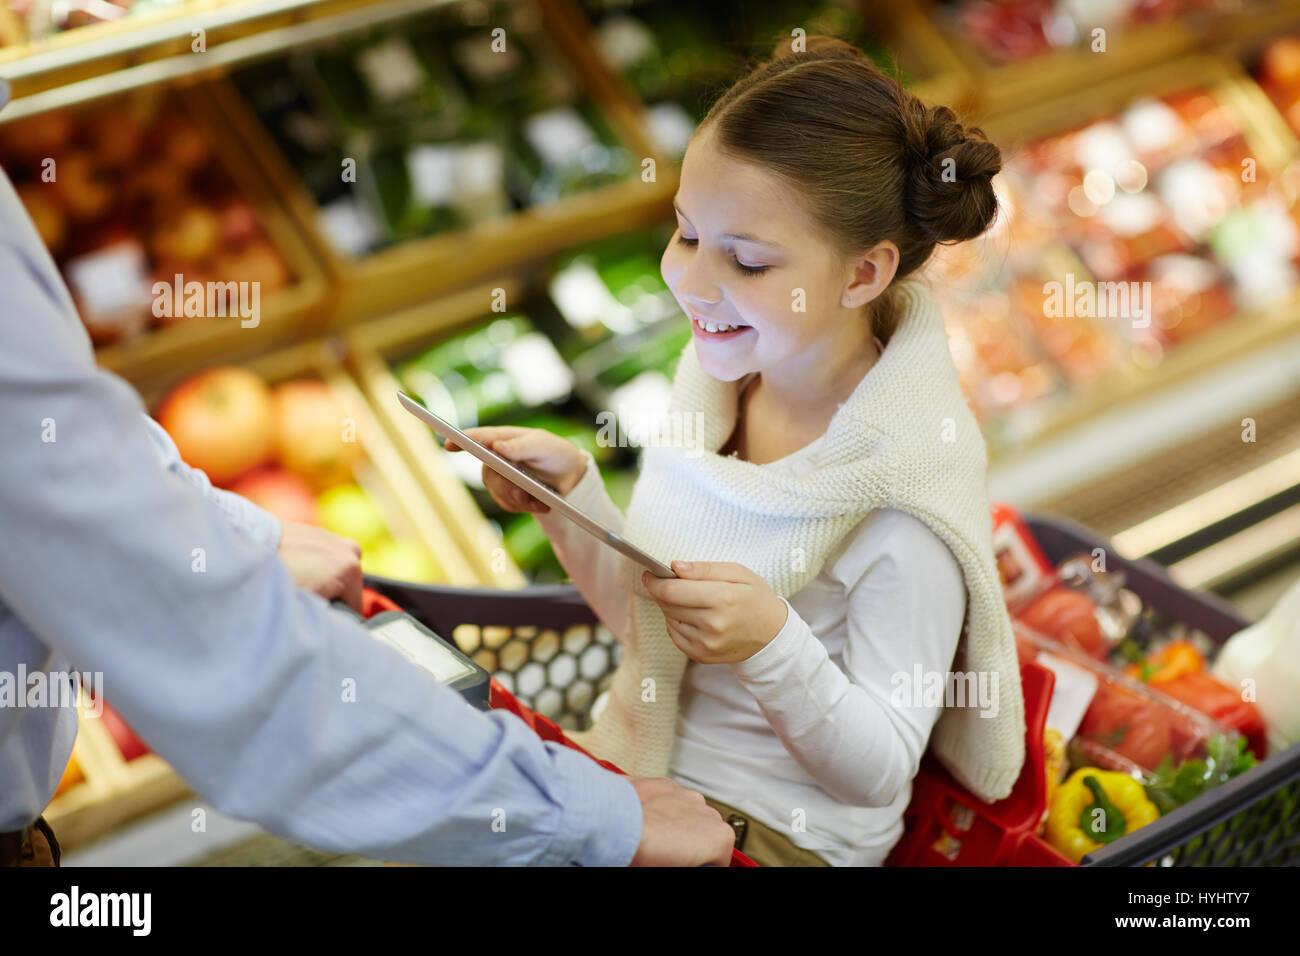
(246, 517)
(271, 705)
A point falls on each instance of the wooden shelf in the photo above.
(371, 347)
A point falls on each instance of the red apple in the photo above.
(115, 135)
(79, 187)
(39, 136)
(181, 142)
(280, 492)
(313, 439)
(1281, 62)
(238, 224)
(190, 234)
(127, 742)
(153, 187)
(38, 199)
(222, 422)
(257, 262)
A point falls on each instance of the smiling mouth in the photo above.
(711, 329)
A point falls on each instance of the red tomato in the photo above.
(1132, 727)
(1212, 697)
(1069, 617)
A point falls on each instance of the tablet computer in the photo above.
(518, 475)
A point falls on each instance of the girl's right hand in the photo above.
(555, 460)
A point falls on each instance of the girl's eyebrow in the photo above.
(742, 236)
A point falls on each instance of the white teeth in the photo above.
(714, 326)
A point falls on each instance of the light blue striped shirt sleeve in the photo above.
(272, 705)
(246, 518)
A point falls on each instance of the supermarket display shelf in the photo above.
(994, 88)
(367, 350)
(102, 59)
(421, 269)
(162, 355)
(385, 476)
(1112, 443)
(1133, 463)
(1249, 330)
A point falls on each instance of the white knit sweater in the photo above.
(905, 438)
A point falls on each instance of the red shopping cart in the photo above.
(501, 699)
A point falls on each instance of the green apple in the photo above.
(349, 512)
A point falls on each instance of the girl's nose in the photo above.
(695, 285)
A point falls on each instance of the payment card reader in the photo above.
(422, 647)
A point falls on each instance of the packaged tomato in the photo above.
(1128, 725)
(1068, 616)
(1207, 694)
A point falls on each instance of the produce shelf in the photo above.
(113, 791)
(369, 348)
(998, 87)
(286, 313)
(419, 269)
(382, 472)
(1249, 329)
(91, 61)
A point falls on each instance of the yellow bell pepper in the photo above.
(1095, 807)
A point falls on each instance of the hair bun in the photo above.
(950, 190)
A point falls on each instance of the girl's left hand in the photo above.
(717, 612)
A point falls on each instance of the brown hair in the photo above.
(868, 157)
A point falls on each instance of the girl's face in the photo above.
(746, 254)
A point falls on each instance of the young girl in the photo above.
(834, 510)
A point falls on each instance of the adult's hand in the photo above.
(322, 562)
(678, 828)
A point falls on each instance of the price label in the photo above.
(671, 127)
(350, 226)
(433, 173)
(110, 280)
(538, 372)
(391, 70)
(624, 41)
(480, 169)
(582, 296)
(558, 135)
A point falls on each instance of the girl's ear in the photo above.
(872, 273)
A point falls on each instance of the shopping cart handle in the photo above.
(443, 608)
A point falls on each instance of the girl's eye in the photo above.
(744, 269)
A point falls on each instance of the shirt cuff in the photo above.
(778, 650)
(601, 814)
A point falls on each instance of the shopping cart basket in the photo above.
(387, 595)
(550, 659)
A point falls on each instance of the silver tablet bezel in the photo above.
(535, 487)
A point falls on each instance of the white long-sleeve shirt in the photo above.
(808, 735)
